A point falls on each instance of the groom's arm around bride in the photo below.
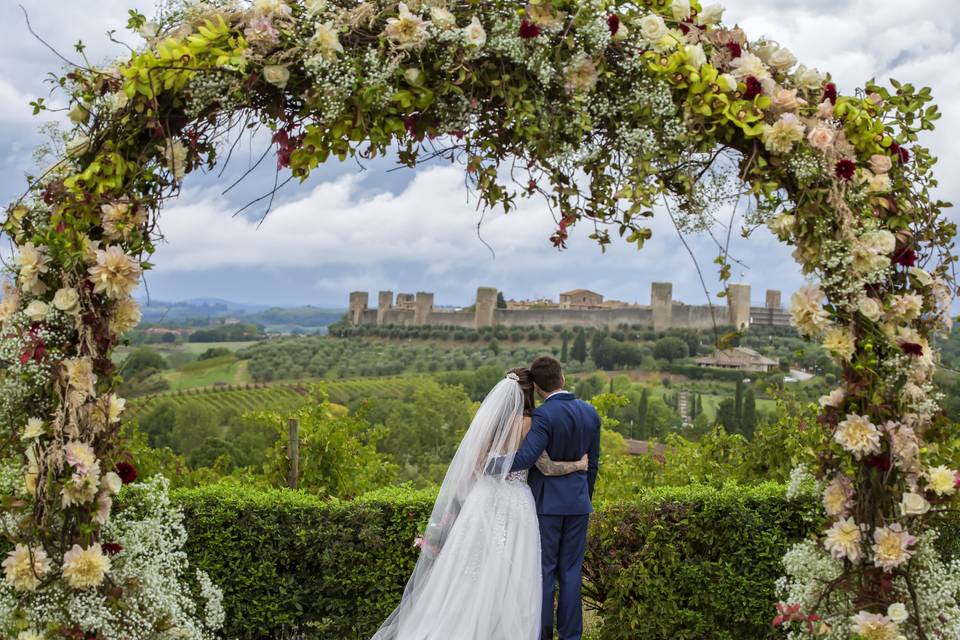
(566, 428)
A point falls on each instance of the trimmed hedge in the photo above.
(688, 563)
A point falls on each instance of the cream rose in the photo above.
(898, 612)
(37, 310)
(913, 504)
(79, 114)
(782, 60)
(680, 9)
(652, 28)
(276, 74)
(710, 15)
(67, 300)
(786, 99)
(474, 34)
(870, 308)
(808, 79)
(112, 483)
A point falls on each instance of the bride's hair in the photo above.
(525, 380)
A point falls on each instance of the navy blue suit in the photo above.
(566, 428)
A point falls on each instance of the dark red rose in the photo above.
(912, 348)
(880, 463)
(613, 22)
(735, 49)
(127, 472)
(754, 88)
(830, 93)
(684, 28)
(900, 152)
(528, 29)
(906, 258)
(111, 548)
(846, 169)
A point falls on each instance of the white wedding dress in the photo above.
(478, 575)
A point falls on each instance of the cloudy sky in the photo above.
(370, 228)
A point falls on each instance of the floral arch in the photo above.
(601, 108)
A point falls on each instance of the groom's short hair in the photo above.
(547, 373)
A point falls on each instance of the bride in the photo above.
(478, 575)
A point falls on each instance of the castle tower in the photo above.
(738, 302)
(358, 304)
(661, 302)
(773, 299)
(486, 307)
(423, 308)
(384, 304)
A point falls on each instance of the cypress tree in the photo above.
(738, 404)
(563, 349)
(642, 410)
(579, 351)
(748, 423)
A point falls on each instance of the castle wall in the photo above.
(442, 317)
(401, 317)
(486, 307)
(571, 318)
(698, 316)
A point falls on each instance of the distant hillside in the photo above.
(202, 311)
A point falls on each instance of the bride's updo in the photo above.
(525, 381)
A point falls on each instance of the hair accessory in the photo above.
(513, 376)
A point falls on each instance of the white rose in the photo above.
(695, 55)
(727, 82)
(680, 9)
(276, 74)
(442, 19)
(79, 114)
(112, 483)
(809, 79)
(412, 75)
(913, 504)
(474, 34)
(881, 241)
(782, 59)
(67, 300)
(921, 276)
(710, 15)
(37, 310)
(653, 28)
(870, 308)
(897, 612)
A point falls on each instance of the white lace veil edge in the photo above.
(486, 451)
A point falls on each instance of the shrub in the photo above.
(689, 562)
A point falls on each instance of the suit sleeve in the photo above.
(533, 445)
(593, 464)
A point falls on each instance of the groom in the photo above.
(566, 428)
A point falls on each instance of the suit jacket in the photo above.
(566, 428)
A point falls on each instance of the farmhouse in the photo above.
(581, 299)
(738, 358)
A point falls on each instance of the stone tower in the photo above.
(486, 307)
(358, 304)
(423, 308)
(661, 303)
(738, 302)
(384, 304)
(773, 299)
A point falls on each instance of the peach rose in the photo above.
(880, 163)
(821, 137)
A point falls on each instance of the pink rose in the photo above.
(821, 137)
(880, 163)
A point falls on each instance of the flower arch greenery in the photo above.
(601, 108)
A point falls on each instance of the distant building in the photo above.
(581, 299)
(539, 303)
(740, 358)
